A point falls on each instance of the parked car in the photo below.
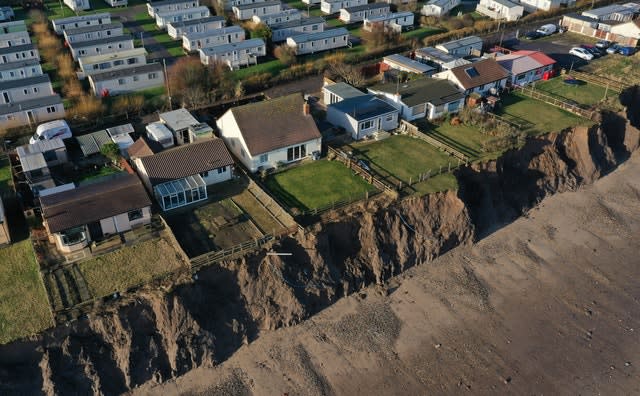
(547, 30)
(604, 44)
(613, 49)
(533, 35)
(593, 50)
(581, 53)
(627, 51)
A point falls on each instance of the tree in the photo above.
(197, 85)
(128, 104)
(111, 151)
(239, 91)
(286, 54)
(350, 74)
(381, 36)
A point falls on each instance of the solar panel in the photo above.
(472, 72)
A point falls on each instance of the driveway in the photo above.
(556, 46)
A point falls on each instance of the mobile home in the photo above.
(78, 5)
(362, 12)
(15, 91)
(74, 22)
(154, 7)
(31, 112)
(292, 14)
(18, 53)
(165, 17)
(131, 79)
(21, 69)
(177, 29)
(102, 46)
(93, 32)
(192, 42)
(115, 60)
(247, 11)
(308, 43)
(333, 6)
(397, 21)
(234, 55)
(282, 31)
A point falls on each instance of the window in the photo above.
(25, 91)
(35, 89)
(136, 78)
(222, 170)
(314, 27)
(366, 125)
(264, 158)
(73, 236)
(135, 214)
(122, 81)
(132, 61)
(51, 109)
(152, 76)
(296, 152)
(118, 62)
(204, 174)
(389, 117)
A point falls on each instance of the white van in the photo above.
(158, 132)
(52, 129)
(547, 30)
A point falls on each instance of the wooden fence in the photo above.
(554, 101)
(412, 130)
(352, 164)
(605, 82)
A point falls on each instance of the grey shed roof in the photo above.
(409, 63)
(370, 6)
(343, 90)
(93, 28)
(17, 48)
(106, 40)
(463, 42)
(129, 71)
(303, 38)
(167, 2)
(296, 23)
(34, 161)
(364, 107)
(92, 142)
(422, 90)
(178, 120)
(41, 146)
(18, 64)
(215, 18)
(25, 82)
(9, 108)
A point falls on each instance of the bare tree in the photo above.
(197, 85)
(350, 74)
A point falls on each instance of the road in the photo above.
(556, 46)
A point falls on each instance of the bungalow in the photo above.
(31, 112)
(234, 55)
(402, 63)
(615, 12)
(101, 46)
(91, 212)
(580, 24)
(20, 69)
(93, 32)
(247, 11)
(362, 116)
(113, 61)
(466, 46)
(397, 21)
(15, 91)
(334, 93)
(179, 176)
(165, 17)
(480, 77)
(192, 42)
(282, 31)
(177, 29)
(130, 79)
(362, 12)
(333, 6)
(500, 9)
(525, 67)
(18, 53)
(309, 43)
(74, 22)
(428, 98)
(153, 7)
(6, 14)
(182, 125)
(265, 134)
(13, 34)
(143, 147)
(78, 5)
(5, 236)
(117, 3)
(439, 8)
(540, 5)
(439, 58)
(292, 14)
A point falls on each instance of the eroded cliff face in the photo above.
(157, 335)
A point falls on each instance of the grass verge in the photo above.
(586, 94)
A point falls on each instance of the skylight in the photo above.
(471, 72)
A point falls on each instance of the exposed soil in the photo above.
(506, 312)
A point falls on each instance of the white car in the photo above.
(581, 53)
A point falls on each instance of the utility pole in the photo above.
(142, 38)
(166, 79)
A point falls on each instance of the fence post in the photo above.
(410, 183)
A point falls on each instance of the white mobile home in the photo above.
(177, 29)
(117, 3)
(229, 4)
(192, 42)
(544, 5)
(614, 12)
(12, 27)
(500, 9)
(188, 14)
(131, 79)
(31, 112)
(16, 91)
(234, 55)
(6, 14)
(154, 7)
(292, 14)
(21, 69)
(439, 7)
(397, 21)
(19, 53)
(94, 32)
(362, 116)
(311, 2)
(308, 43)
(78, 5)
(74, 22)
(362, 12)
(115, 60)
(247, 11)
(333, 6)
(282, 31)
(462, 47)
(101, 46)
(14, 39)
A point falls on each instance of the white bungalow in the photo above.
(153, 7)
(439, 8)
(113, 61)
(362, 12)
(78, 5)
(165, 17)
(333, 6)
(102, 46)
(14, 91)
(248, 11)
(93, 32)
(282, 31)
(131, 79)
(397, 21)
(309, 43)
(292, 14)
(482, 77)
(21, 69)
(74, 22)
(500, 9)
(192, 42)
(18, 53)
(362, 116)
(177, 29)
(234, 55)
(31, 112)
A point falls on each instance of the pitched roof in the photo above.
(93, 202)
(408, 63)
(272, 124)
(129, 71)
(187, 160)
(17, 48)
(343, 90)
(297, 22)
(258, 5)
(143, 148)
(364, 107)
(19, 64)
(479, 73)
(329, 33)
(25, 82)
(422, 90)
(100, 41)
(92, 28)
(523, 61)
(199, 21)
(363, 7)
(36, 103)
(463, 42)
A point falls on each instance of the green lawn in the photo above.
(541, 116)
(420, 33)
(401, 158)
(24, 308)
(586, 94)
(130, 266)
(316, 185)
(464, 138)
(624, 68)
(272, 67)
(442, 182)
(102, 171)
(5, 175)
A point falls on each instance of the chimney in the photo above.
(306, 109)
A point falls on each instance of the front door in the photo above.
(95, 231)
(32, 119)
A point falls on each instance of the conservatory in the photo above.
(181, 192)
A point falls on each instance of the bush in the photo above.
(286, 54)
(111, 151)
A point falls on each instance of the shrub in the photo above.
(285, 54)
